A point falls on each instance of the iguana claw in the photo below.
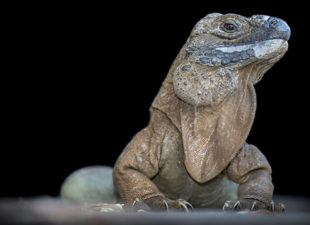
(184, 204)
(236, 205)
(139, 206)
(137, 202)
(166, 205)
(162, 203)
(252, 205)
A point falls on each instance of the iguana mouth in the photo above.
(258, 50)
(238, 54)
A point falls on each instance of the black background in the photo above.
(78, 81)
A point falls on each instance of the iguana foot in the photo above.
(181, 204)
(161, 203)
(252, 205)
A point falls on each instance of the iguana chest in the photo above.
(174, 181)
(201, 146)
(210, 137)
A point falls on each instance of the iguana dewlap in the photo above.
(194, 146)
(194, 151)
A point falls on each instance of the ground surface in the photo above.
(46, 210)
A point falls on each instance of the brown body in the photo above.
(154, 163)
(194, 147)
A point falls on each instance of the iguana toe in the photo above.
(165, 204)
(252, 205)
(181, 203)
(138, 205)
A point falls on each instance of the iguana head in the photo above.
(223, 50)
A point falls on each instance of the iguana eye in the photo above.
(229, 26)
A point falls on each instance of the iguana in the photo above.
(193, 153)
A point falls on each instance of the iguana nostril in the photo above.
(274, 22)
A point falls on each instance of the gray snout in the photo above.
(279, 28)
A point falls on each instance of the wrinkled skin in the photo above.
(193, 152)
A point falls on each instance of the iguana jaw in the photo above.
(261, 50)
(240, 55)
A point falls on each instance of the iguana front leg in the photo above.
(139, 163)
(252, 171)
(254, 194)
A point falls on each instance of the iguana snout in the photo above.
(275, 28)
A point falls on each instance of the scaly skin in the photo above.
(194, 150)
